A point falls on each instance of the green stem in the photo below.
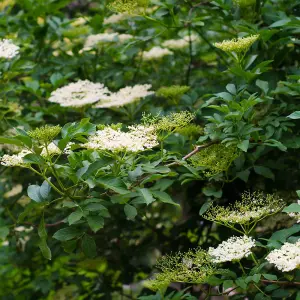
(242, 268)
(11, 215)
(254, 259)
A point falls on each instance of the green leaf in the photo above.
(115, 184)
(282, 235)
(263, 85)
(264, 171)
(44, 248)
(270, 276)
(66, 234)
(212, 191)
(214, 280)
(256, 278)
(280, 293)
(39, 193)
(241, 283)
(163, 197)
(33, 159)
(244, 175)
(146, 194)
(9, 140)
(45, 189)
(4, 231)
(69, 246)
(130, 211)
(294, 115)
(95, 207)
(280, 23)
(244, 145)
(231, 88)
(33, 193)
(95, 222)
(88, 246)
(227, 284)
(42, 229)
(205, 207)
(75, 216)
(294, 207)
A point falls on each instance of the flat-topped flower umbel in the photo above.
(126, 95)
(8, 49)
(234, 249)
(138, 138)
(80, 93)
(287, 258)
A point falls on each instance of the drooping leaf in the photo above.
(66, 234)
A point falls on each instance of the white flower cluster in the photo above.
(8, 49)
(93, 40)
(80, 93)
(234, 249)
(180, 43)
(115, 18)
(83, 93)
(295, 215)
(138, 138)
(51, 150)
(156, 53)
(287, 258)
(15, 159)
(126, 95)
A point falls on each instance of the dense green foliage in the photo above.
(182, 187)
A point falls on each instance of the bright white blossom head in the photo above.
(15, 160)
(126, 95)
(95, 39)
(238, 45)
(80, 93)
(138, 138)
(115, 18)
(124, 37)
(8, 49)
(176, 44)
(287, 258)
(234, 249)
(156, 53)
(51, 150)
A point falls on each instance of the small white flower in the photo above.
(138, 138)
(80, 93)
(51, 150)
(23, 229)
(115, 18)
(235, 248)
(94, 40)
(156, 53)
(16, 190)
(287, 258)
(180, 43)
(126, 95)
(8, 49)
(14, 160)
(124, 37)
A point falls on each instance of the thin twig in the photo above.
(46, 225)
(280, 282)
(196, 150)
